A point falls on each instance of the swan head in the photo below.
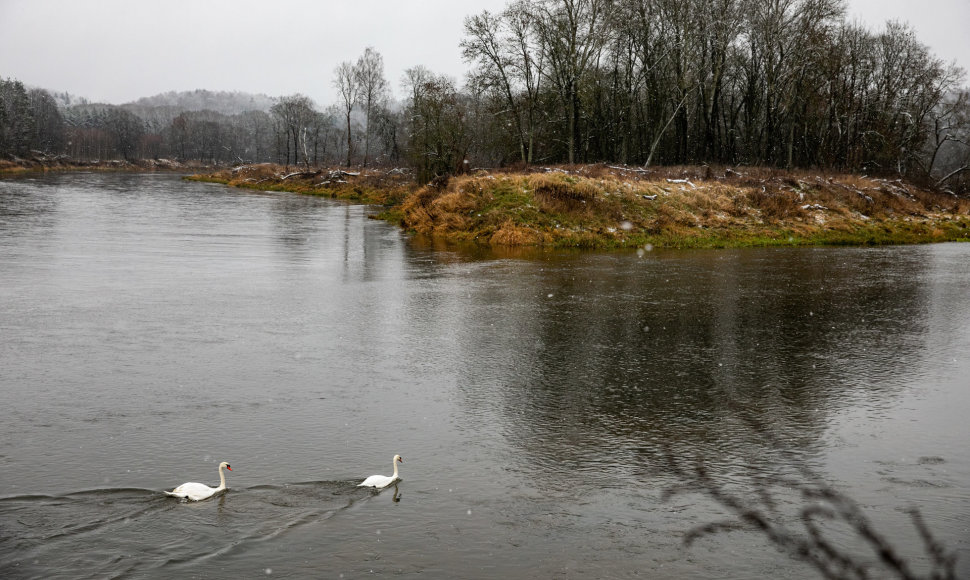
(225, 465)
(398, 459)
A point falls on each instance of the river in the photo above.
(542, 402)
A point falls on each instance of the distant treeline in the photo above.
(787, 83)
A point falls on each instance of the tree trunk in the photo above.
(573, 117)
(348, 138)
(366, 132)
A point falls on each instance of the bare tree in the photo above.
(526, 53)
(318, 135)
(347, 85)
(295, 113)
(438, 133)
(509, 64)
(257, 126)
(372, 89)
(720, 25)
(126, 129)
(484, 45)
(949, 148)
(573, 33)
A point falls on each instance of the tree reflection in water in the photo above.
(822, 526)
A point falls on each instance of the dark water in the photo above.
(151, 328)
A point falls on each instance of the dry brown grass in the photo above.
(712, 198)
(455, 202)
(256, 172)
(451, 210)
(11, 167)
(417, 212)
(510, 234)
(774, 205)
(431, 210)
(559, 193)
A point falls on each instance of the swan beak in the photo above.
(400, 460)
(229, 468)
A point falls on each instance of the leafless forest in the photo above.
(783, 83)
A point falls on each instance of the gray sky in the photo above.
(116, 51)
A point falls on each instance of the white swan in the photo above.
(381, 481)
(196, 491)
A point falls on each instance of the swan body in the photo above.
(382, 481)
(198, 491)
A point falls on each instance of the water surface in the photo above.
(151, 328)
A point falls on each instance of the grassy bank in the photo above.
(373, 187)
(42, 163)
(600, 206)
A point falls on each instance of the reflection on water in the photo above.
(153, 327)
(670, 350)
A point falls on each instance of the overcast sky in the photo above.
(116, 51)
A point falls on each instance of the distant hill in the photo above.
(158, 111)
(226, 102)
(65, 99)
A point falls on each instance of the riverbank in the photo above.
(41, 163)
(600, 206)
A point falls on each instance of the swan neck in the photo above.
(395, 470)
(222, 478)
